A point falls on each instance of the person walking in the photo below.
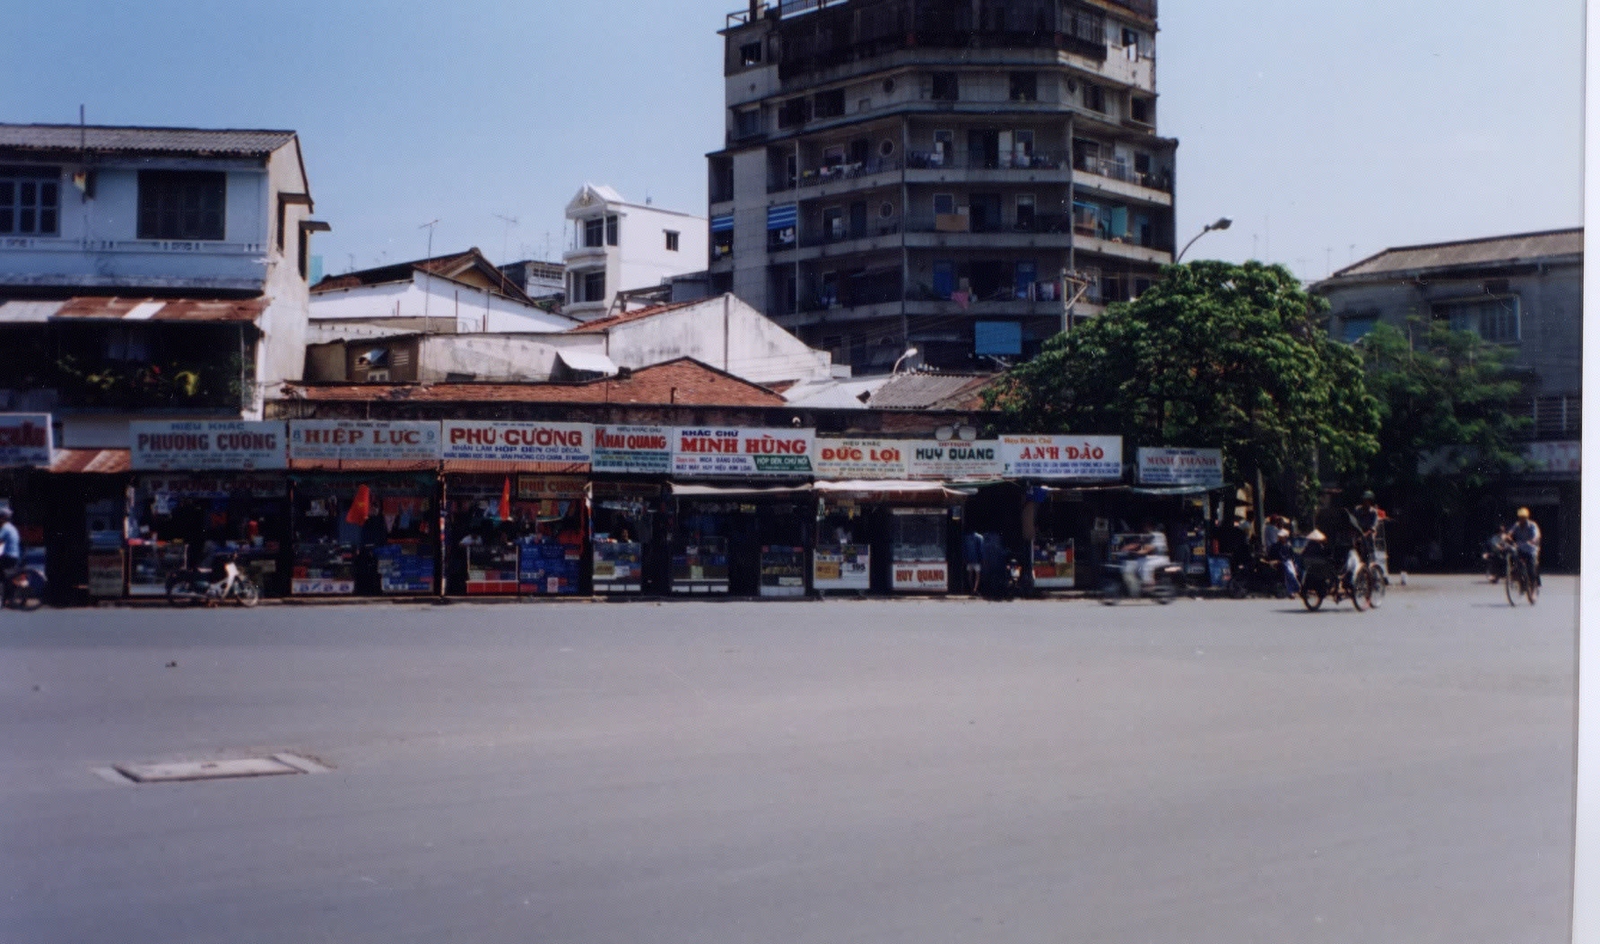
(10, 551)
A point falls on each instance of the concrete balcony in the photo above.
(132, 263)
(1114, 179)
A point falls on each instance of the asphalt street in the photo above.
(840, 771)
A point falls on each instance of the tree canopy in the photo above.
(1213, 355)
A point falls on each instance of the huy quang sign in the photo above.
(743, 452)
(1172, 466)
(953, 461)
(861, 458)
(641, 450)
(347, 440)
(566, 443)
(24, 440)
(206, 445)
(1061, 457)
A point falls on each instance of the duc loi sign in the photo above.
(204, 445)
(861, 458)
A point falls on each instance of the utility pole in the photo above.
(505, 241)
(425, 288)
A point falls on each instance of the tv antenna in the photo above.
(505, 240)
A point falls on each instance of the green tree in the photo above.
(1213, 355)
(1446, 401)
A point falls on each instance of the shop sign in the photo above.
(561, 487)
(24, 440)
(842, 567)
(321, 586)
(173, 487)
(203, 445)
(861, 458)
(743, 452)
(953, 461)
(643, 450)
(566, 443)
(1061, 457)
(1171, 466)
(1558, 458)
(924, 576)
(346, 440)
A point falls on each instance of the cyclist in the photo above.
(1526, 537)
(10, 551)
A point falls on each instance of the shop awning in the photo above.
(682, 490)
(588, 361)
(512, 467)
(363, 465)
(889, 489)
(91, 461)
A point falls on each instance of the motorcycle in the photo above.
(1255, 575)
(25, 586)
(1161, 587)
(223, 580)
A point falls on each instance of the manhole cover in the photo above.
(207, 769)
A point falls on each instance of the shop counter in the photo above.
(618, 566)
(783, 571)
(1055, 565)
(842, 567)
(701, 568)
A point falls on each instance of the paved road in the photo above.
(798, 772)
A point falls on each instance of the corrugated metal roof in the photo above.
(240, 143)
(926, 390)
(1524, 247)
(90, 308)
(95, 461)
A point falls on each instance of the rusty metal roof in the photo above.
(102, 138)
(1496, 250)
(101, 308)
(93, 461)
(929, 390)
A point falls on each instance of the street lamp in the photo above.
(1222, 223)
(910, 352)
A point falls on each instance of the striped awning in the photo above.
(721, 223)
(91, 461)
(783, 217)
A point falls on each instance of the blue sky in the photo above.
(1325, 131)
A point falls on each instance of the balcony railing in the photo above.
(1119, 170)
(936, 160)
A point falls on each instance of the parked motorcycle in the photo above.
(25, 586)
(212, 585)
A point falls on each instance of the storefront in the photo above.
(25, 453)
(1057, 524)
(365, 507)
(628, 507)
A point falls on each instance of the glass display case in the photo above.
(1054, 564)
(783, 571)
(918, 550)
(701, 567)
(151, 563)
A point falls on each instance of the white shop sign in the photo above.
(24, 440)
(567, 443)
(861, 458)
(347, 440)
(205, 445)
(953, 461)
(1061, 457)
(1174, 466)
(642, 450)
(713, 452)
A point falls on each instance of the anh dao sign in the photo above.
(953, 461)
(24, 440)
(635, 449)
(1061, 457)
(705, 451)
(347, 440)
(206, 445)
(861, 458)
(566, 443)
(1174, 466)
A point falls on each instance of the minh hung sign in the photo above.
(712, 452)
(206, 445)
(24, 440)
(1171, 466)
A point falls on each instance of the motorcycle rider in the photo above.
(10, 551)
(1146, 552)
(1494, 549)
(1526, 537)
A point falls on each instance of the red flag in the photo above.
(505, 500)
(360, 506)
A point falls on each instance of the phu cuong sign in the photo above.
(1165, 465)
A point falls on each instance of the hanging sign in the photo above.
(953, 461)
(24, 440)
(204, 445)
(346, 440)
(1170, 466)
(1061, 457)
(645, 450)
(861, 458)
(566, 443)
(743, 452)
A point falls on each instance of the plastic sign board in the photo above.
(861, 458)
(206, 445)
(346, 440)
(952, 461)
(769, 453)
(567, 443)
(641, 450)
(24, 440)
(1171, 466)
(1061, 457)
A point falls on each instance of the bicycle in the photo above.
(1518, 580)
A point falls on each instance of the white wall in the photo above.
(723, 332)
(474, 309)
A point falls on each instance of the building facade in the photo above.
(958, 176)
(1525, 293)
(615, 246)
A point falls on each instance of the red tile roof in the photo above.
(610, 321)
(682, 381)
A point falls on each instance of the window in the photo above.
(1130, 39)
(611, 231)
(944, 203)
(1024, 211)
(593, 233)
(747, 123)
(1140, 109)
(672, 241)
(182, 204)
(833, 223)
(946, 88)
(828, 104)
(594, 286)
(750, 54)
(30, 200)
(944, 145)
(795, 111)
(1354, 327)
(1494, 319)
(1024, 87)
(1094, 97)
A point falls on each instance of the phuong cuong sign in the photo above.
(205, 445)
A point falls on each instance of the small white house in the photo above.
(616, 245)
(459, 293)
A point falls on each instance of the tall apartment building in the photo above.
(949, 175)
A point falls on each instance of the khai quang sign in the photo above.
(640, 450)
(1172, 466)
(1061, 457)
(206, 445)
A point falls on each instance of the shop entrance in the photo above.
(364, 534)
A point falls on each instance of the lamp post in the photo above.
(910, 352)
(1222, 223)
